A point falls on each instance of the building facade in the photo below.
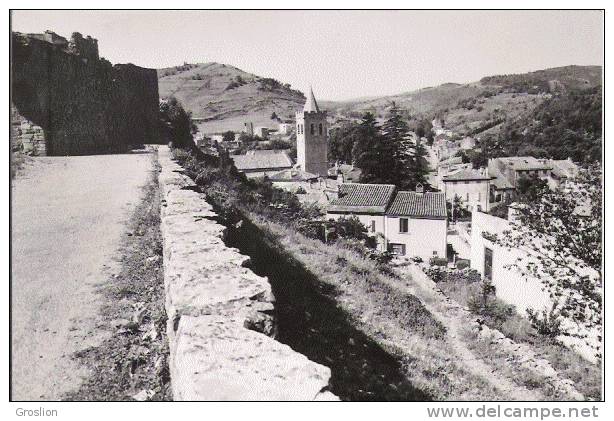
(404, 223)
(471, 186)
(501, 266)
(416, 225)
(311, 138)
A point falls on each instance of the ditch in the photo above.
(310, 322)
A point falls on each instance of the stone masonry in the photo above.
(83, 103)
(220, 326)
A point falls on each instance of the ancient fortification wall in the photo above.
(83, 104)
(220, 325)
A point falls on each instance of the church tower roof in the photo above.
(311, 105)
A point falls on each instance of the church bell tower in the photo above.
(312, 138)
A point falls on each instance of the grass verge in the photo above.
(132, 363)
(586, 376)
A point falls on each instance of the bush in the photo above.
(547, 323)
(462, 264)
(436, 274)
(438, 261)
(301, 190)
(485, 304)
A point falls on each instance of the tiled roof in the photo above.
(262, 160)
(466, 174)
(293, 174)
(419, 205)
(524, 163)
(367, 198)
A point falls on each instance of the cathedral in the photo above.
(312, 138)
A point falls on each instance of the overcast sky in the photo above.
(343, 54)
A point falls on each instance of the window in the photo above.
(403, 225)
(372, 226)
(312, 129)
(397, 249)
(434, 252)
(320, 129)
(487, 263)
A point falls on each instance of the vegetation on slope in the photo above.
(563, 126)
(223, 97)
(373, 296)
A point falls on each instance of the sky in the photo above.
(342, 54)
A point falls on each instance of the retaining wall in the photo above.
(220, 322)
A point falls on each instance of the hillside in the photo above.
(222, 97)
(480, 107)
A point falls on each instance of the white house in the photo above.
(416, 225)
(471, 186)
(285, 128)
(406, 223)
(498, 264)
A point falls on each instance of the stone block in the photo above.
(216, 358)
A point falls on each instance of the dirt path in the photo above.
(68, 218)
(448, 313)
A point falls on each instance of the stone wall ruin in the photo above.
(83, 103)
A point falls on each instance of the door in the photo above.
(487, 263)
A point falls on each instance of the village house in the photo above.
(345, 173)
(471, 186)
(262, 132)
(449, 166)
(416, 224)
(285, 128)
(248, 128)
(499, 265)
(562, 170)
(367, 202)
(258, 163)
(508, 170)
(405, 223)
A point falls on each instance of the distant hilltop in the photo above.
(222, 97)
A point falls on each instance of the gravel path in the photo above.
(68, 216)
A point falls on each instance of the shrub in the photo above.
(547, 323)
(485, 304)
(301, 190)
(438, 261)
(462, 264)
(435, 273)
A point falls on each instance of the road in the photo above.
(68, 218)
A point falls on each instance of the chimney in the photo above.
(419, 188)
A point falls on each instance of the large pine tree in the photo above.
(389, 155)
(372, 152)
(408, 166)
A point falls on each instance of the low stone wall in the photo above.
(220, 326)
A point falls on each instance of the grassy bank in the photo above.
(132, 363)
(465, 288)
(372, 298)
